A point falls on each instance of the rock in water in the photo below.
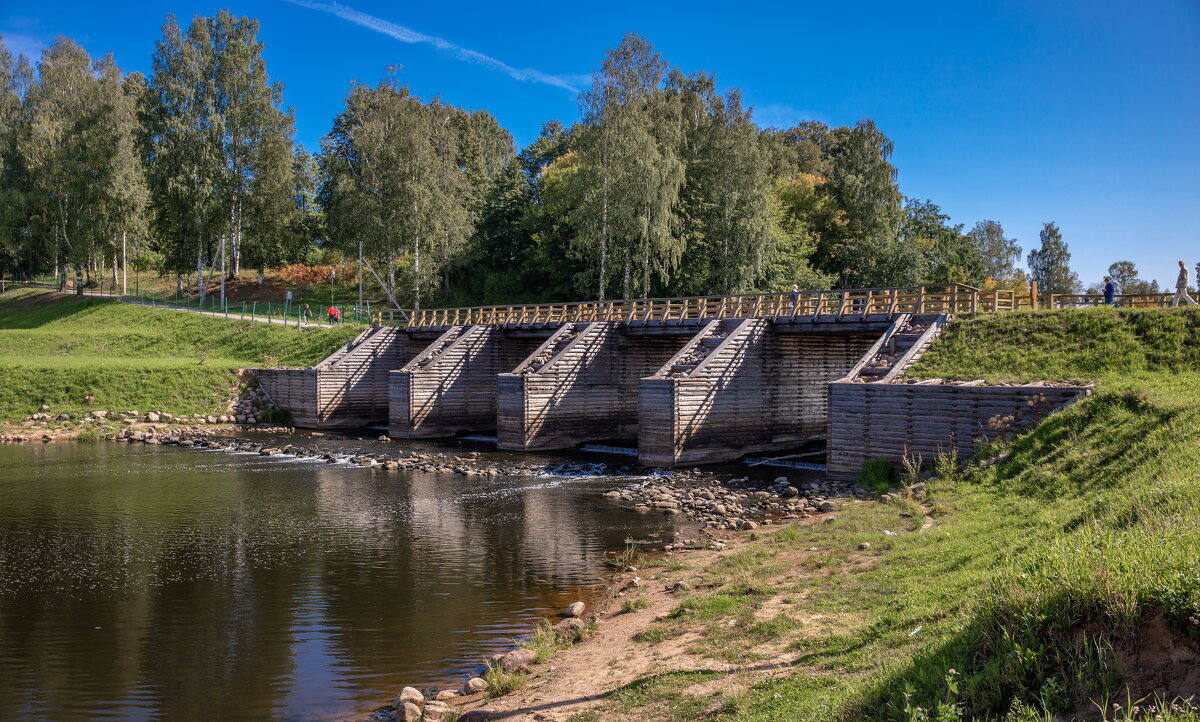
(574, 609)
(410, 695)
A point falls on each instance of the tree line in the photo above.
(662, 186)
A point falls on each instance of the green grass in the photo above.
(1039, 570)
(634, 605)
(60, 349)
(500, 681)
(1066, 345)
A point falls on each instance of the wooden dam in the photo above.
(689, 380)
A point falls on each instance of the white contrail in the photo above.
(408, 35)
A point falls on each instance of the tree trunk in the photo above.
(235, 238)
(417, 273)
(178, 284)
(78, 280)
(200, 269)
(124, 268)
(262, 276)
(603, 233)
(360, 269)
(224, 240)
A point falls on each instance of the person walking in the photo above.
(1181, 287)
(306, 315)
(1109, 290)
(795, 297)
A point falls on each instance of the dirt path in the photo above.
(586, 681)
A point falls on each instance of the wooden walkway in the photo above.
(877, 304)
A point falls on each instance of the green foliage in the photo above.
(634, 605)
(500, 681)
(544, 642)
(878, 475)
(1050, 264)
(1000, 255)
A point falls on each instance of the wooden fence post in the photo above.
(1033, 295)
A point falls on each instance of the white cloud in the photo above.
(408, 35)
(26, 45)
(780, 115)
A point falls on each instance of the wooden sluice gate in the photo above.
(743, 386)
(581, 385)
(450, 387)
(349, 388)
(693, 380)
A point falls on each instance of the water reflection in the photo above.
(148, 582)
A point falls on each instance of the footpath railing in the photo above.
(1088, 300)
(801, 306)
(211, 305)
(844, 304)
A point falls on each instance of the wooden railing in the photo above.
(806, 305)
(1087, 300)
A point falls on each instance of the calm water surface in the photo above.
(157, 582)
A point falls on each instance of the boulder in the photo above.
(569, 630)
(475, 715)
(408, 712)
(517, 660)
(99, 414)
(436, 712)
(474, 685)
(574, 609)
(748, 525)
(446, 695)
(826, 506)
(410, 695)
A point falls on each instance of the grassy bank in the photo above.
(1055, 578)
(60, 349)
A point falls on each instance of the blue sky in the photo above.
(1082, 113)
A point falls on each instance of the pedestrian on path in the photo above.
(1181, 287)
(1109, 290)
(306, 315)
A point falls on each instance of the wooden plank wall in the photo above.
(884, 420)
(456, 391)
(588, 393)
(759, 390)
(353, 391)
(294, 391)
(346, 390)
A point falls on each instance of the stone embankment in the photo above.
(413, 705)
(249, 407)
(738, 504)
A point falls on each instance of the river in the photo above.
(151, 582)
